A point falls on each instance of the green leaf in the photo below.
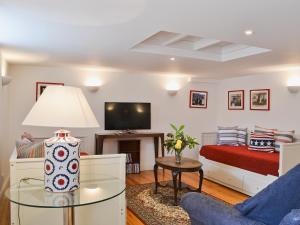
(173, 126)
(181, 128)
(178, 134)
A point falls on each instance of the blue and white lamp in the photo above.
(62, 106)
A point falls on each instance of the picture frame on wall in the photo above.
(41, 86)
(260, 99)
(198, 99)
(236, 100)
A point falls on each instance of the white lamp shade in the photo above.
(61, 106)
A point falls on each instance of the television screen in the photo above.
(127, 116)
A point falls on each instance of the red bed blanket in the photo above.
(239, 156)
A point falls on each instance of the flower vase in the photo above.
(178, 156)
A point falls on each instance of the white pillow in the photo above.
(228, 136)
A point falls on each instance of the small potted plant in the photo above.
(178, 141)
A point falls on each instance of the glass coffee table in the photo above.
(30, 192)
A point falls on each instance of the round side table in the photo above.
(186, 165)
(32, 193)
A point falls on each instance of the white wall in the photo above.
(1, 126)
(3, 121)
(117, 86)
(135, 86)
(285, 107)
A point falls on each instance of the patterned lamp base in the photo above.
(62, 162)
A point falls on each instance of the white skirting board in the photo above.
(109, 212)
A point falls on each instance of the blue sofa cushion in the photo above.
(293, 218)
(275, 201)
(204, 210)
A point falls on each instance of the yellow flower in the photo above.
(178, 144)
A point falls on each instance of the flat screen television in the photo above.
(127, 115)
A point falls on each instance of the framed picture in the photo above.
(260, 99)
(198, 99)
(41, 86)
(236, 100)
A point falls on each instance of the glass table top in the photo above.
(32, 193)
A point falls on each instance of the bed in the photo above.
(243, 170)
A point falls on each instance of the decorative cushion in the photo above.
(27, 136)
(83, 153)
(24, 141)
(228, 136)
(262, 130)
(275, 201)
(262, 142)
(283, 137)
(30, 150)
(242, 136)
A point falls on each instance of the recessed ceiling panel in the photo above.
(182, 45)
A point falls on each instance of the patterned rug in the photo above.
(156, 209)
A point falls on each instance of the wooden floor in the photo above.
(209, 187)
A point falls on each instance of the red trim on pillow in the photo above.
(83, 153)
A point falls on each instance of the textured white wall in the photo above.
(285, 107)
(3, 121)
(1, 125)
(117, 86)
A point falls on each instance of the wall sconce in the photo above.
(93, 84)
(6, 80)
(93, 88)
(172, 88)
(293, 84)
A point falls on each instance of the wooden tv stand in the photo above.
(156, 136)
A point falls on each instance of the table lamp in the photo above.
(64, 107)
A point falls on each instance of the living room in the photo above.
(148, 52)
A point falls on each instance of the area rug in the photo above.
(156, 209)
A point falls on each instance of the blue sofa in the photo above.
(277, 204)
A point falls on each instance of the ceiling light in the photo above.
(248, 32)
(172, 59)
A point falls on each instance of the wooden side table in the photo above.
(156, 136)
(186, 165)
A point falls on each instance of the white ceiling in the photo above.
(103, 32)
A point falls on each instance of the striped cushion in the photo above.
(30, 150)
(262, 142)
(283, 137)
(262, 130)
(227, 136)
(242, 136)
(24, 141)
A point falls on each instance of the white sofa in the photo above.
(242, 180)
(109, 212)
